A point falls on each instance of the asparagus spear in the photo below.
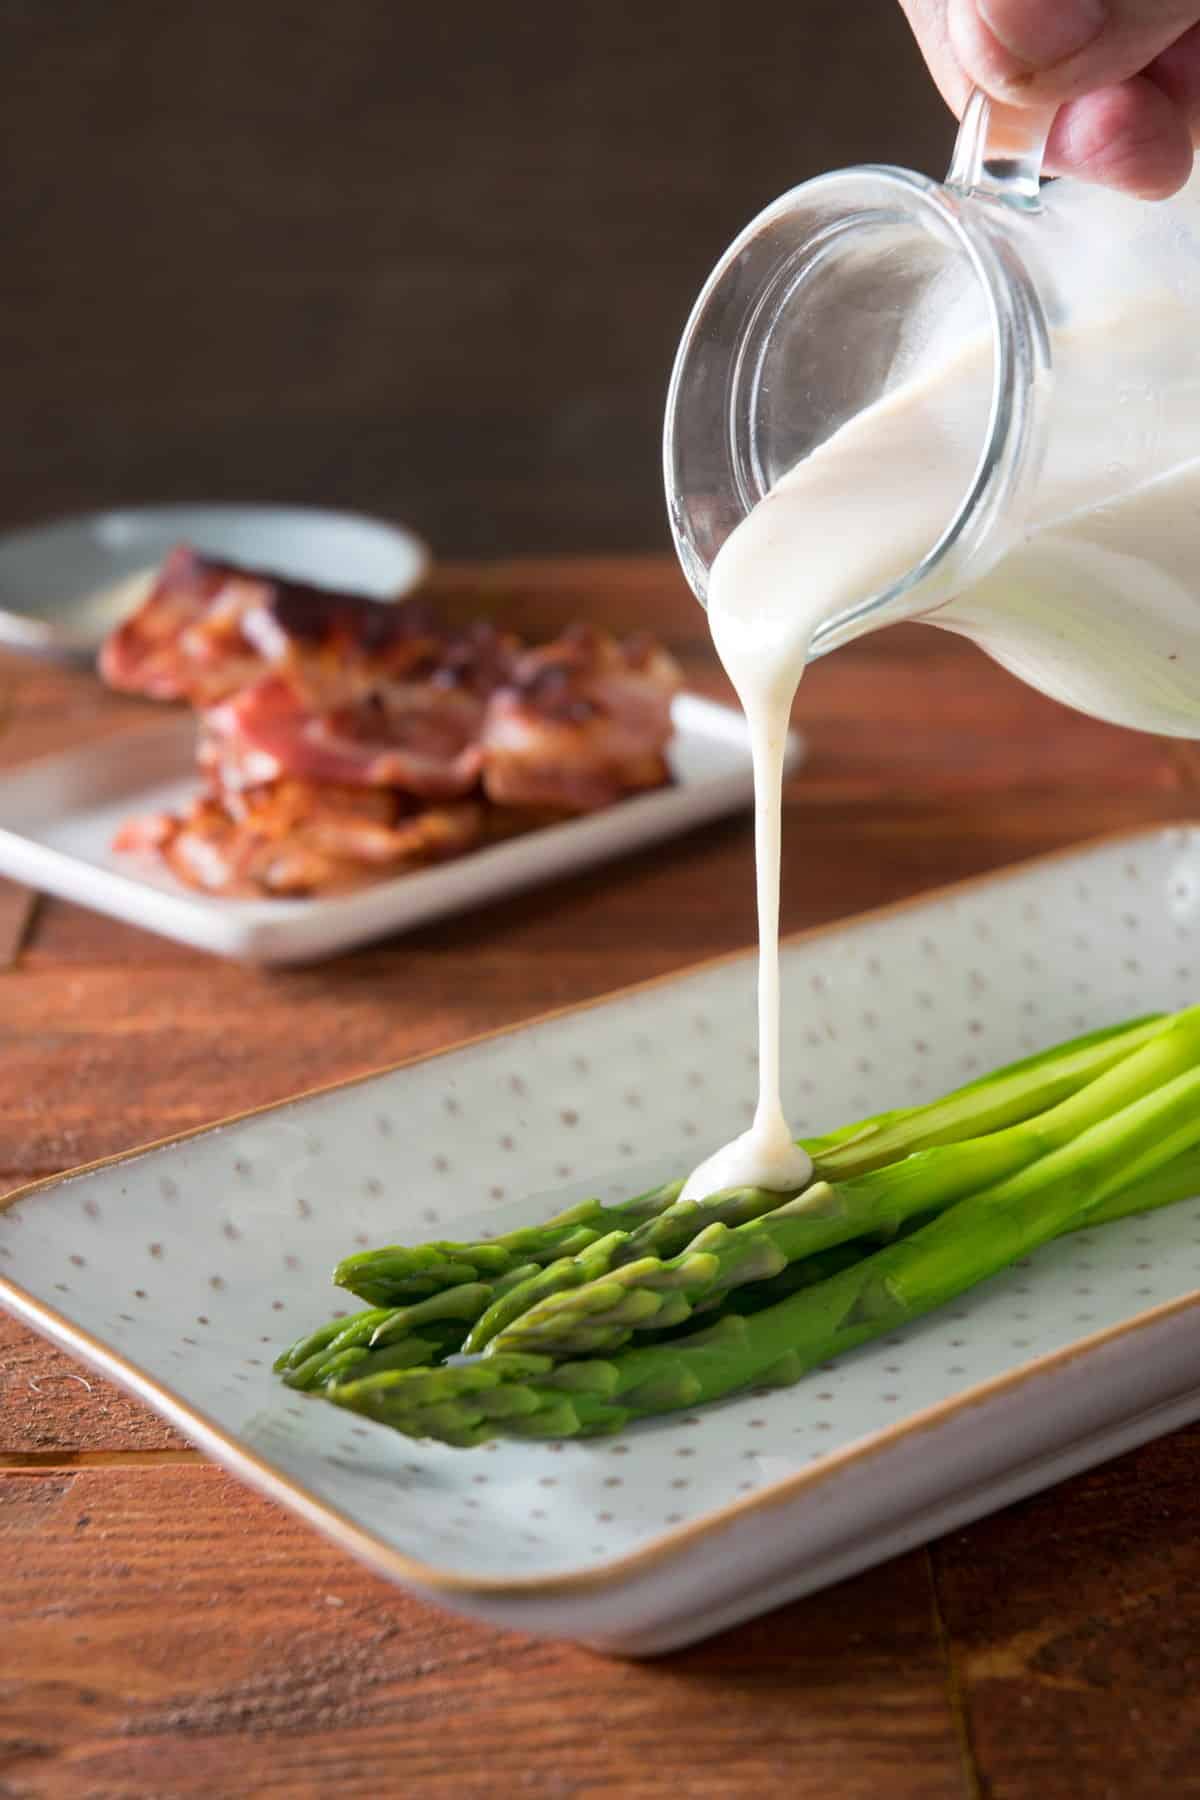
(316, 1357)
(529, 1396)
(659, 1224)
(670, 1233)
(1005, 1097)
(582, 1307)
(412, 1353)
(319, 1360)
(332, 1349)
(1179, 1180)
(409, 1337)
(422, 1333)
(667, 1225)
(467, 1299)
(398, 1272)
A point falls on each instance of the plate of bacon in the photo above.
(337, 767)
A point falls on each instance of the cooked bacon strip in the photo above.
(585, 721)
(294, 838)
(208, 628)
(421, 739)
(147, 835)
(343, 738)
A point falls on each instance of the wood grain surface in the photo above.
(166, 1633)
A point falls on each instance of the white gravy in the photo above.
(1098, 605)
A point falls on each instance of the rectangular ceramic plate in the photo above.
(58, 816)
(180, 1271)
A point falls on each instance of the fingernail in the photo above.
(1041, 33)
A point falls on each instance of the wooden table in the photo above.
(164, 1632)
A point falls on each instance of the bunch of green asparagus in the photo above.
(606, 1315)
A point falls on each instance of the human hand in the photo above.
(1124, 76)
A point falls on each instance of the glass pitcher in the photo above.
(1073, 555)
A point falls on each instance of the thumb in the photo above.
(1027, 51)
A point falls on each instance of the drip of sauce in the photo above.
(800, 556)
(1094, 600)
(764, 1156)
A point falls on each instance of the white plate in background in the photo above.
(58, 816)
(66, 583)
(180, 1271)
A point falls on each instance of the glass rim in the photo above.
(1015, 325)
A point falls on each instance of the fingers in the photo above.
(1138, 134)
(1130, 136)
(1131, 127)
(1177, 72)
(931, 27)
(1004, 44)
(1057, 50)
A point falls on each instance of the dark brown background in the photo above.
(430, 260)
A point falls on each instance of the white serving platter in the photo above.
(58, 817)
(180, 1271)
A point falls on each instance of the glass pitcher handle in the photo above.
(999, 150)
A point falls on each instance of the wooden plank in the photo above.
(1074, 1621)
(17, 907)
(47, 708)
(53, 1408)
(17, 903)
(166, 1632)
